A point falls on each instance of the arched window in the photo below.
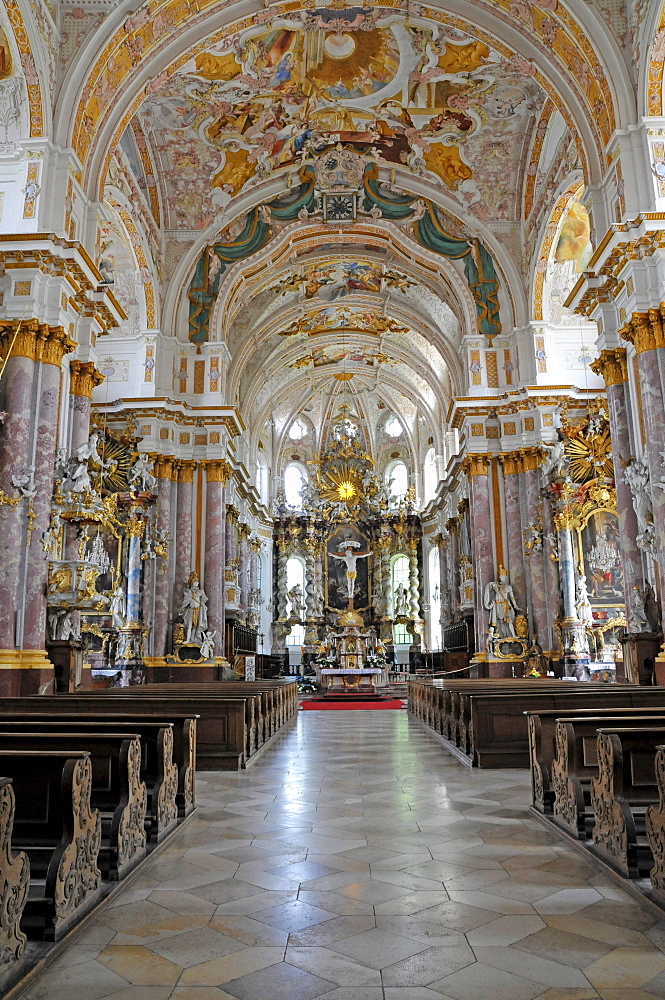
(434, 574)
(295, 574)
(295, 480)
(393, 427)
(397, 477)
(298, 430)
(262, 477)
(430, 476)
(400, 578)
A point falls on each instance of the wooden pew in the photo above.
(61, 834)
(117, 790)
(14, 884)
(42, 709)
(542, 726)
(620, 794)
(576, 765)
(655, 828)
(498, 727)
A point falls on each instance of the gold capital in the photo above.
(218, 471)
(83, 378)
(34, 340)
(185, 470)
(645, 330)
(135, 527)
(164, 466)
(511, 462)
(476, 465)
(612, 366)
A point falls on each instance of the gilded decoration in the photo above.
(645, 330)
(476, 465)
(83, 378)
(218, 471)
(34, 340)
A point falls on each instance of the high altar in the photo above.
(346, 534)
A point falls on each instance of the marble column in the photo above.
(539, 595)
(135, 529)
(310, 591)
(243, 565)
(576, 656)
(217, 474)
(552, 581)
(280, 628)
(414, 580)
(444, 576)
(612, 366)
(183, 530)
(452, 525)
(16, 400)
(512, 472)
(55, 345)
(480, 521)
(231, 558)
(163, 576)
(645, 331)
(83, 377)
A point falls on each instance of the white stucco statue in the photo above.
(556, 462)
(140, 475)
(194, 610)
(636, 477)
(500, 601)
(582, 605)
(638, 621)
(401, 602)
(118, 606)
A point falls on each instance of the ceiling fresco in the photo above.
(437, 101)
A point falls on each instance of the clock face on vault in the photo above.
(339, 207)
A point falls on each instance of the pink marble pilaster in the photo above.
(162, 570)
(214, 560)
(183, 537)
(480, 523)
(34, 624)
(631, 557)
(538, 596)
(15, 456)
(653, 403)
(514, 537)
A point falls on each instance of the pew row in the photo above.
(40, 711)
(60, 832)
(14, 885)
(545, 745)
(117, 791)
(497, 730)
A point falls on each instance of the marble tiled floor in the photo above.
(358, 861)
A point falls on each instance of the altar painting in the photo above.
(335, 582)
(601, 558)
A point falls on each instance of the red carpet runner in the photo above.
(350, 706)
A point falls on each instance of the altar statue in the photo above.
(140, 475)
(194, 610)
(401, 602)
(500, 601)
(118, 606)
(295, 596)
(582, 604)
(350, 558)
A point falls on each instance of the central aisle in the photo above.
(356, 860)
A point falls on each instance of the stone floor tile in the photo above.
(359, 993)
(562, 946)
(376, 948)
(540, 970)
(134, 915)
(505, 931)
(196, 946)
(489, 901)
(479, 981)
(373, 891)
(293, 916)
(321, 935)
(428, 966)
(416, 993)
(139, 965)
(577, 923)
(219, 971)
(89, 981)
(412, 903)
(333, 966)
(625, 967)
(261, 900)
(418, 929)
(198, 993)
(567, 901)
(335, 903)
(182, 902)
(303, 871)
(279, 982)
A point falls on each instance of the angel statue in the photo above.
(194, 610)
(295, 596)
(556, 462)
(140, 476)
(500, 601)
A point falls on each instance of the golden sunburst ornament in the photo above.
(346, 490)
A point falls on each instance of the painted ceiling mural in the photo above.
(435, 100)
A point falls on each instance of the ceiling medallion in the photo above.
(339, 46)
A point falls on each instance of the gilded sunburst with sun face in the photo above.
(341, 485)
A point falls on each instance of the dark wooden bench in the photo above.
(498, 725)
(620, 795)
(14, 885)
(73, 708)
(542, 727)
(117, 791)
(61, 834)
(655, 828)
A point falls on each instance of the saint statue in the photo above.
(350, 558)
(401, 602)
(582, 605)
(194, 610)
(118, 606)
(500, 601)
(295, 596)
(140, 475)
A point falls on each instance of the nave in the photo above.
(357, 861)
